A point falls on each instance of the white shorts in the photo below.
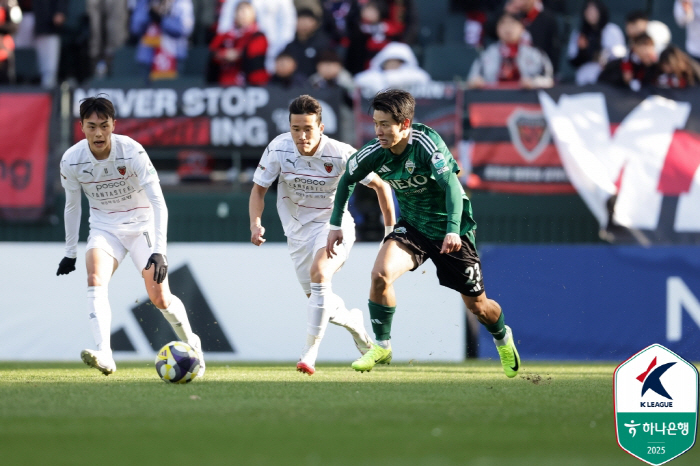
(138, 244)
(303, 252)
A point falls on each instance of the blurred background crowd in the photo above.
(371, 44)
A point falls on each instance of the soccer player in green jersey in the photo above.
(435, 222)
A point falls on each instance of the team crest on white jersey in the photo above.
(122, 170)
(410, 166)
(328, 166)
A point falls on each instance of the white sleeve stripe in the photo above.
(426, 141)
(366, 151)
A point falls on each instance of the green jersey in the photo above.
(430, 197)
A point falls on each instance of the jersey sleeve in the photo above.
(442, 164)
(268, 169)
(68, 179)
(142, 166)
(359, 168)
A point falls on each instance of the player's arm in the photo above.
(256, 205)
(158, 258)
(386, 202)
(71, 218)
(355, 172)
(265, 174)
(444, 170)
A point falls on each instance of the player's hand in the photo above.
(334, 237)
(256, 235)
(160, 267)
(66, 266)
(451, 243)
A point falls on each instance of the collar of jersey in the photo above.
(318, 152)
(109, 158)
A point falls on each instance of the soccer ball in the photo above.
(177, 362)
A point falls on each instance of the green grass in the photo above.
(403, 414)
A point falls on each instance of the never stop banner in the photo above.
(207, 117)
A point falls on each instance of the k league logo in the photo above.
(656, 405)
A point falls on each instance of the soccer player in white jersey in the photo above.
(308, 165)
(127, 214)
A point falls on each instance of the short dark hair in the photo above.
(97, 104)
(636, 15)
(305, 105)
(642, 39)
(398, 103)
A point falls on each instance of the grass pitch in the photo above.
(402, 414)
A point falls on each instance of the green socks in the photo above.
(381, 317)
(497, 329)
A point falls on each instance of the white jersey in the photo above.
(307, 184)
(113, 186)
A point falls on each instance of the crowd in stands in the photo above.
(372, 44)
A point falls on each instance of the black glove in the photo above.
(160, 266)
(66, 266)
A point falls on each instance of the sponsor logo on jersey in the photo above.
(89, 172)
(328, 166)
(415, 181)
(294, 164)
(116, 184)
(261, 167)
(106, 171)
(438, 160)
(410, 166)
(310, 181)
(352, 166)
(442, 170)
(400, 230)
(384, 169)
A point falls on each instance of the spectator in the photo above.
(394, 66)
(369, 35)
(402, 14)
(510, 60)
(637, 22)
(595, 43)
(10, 17)
(639, 68)
(308, 42)
(163, 28)
(687, 14)
(108, 31)
(331, 74)
(277, 19)
(286, 74)
(541, 25)
(678, 69)
(338, 15)
(42, 21)
(476, 16)
(239, 54)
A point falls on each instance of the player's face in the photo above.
(306, 132)
(389, 131)
(98, 132)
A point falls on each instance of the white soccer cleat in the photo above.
(100, 360)
(356, 327)
(196, 344)
(307, 361)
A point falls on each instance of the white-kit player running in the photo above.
(309, 165)
(127, 214)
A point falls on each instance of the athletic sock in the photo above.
(176, 315)
(497, 329)
(386, 344)
(100, 316)
(318, 311)
(381, 317)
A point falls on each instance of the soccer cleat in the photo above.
(307, 361)
(196, 344)
(375, 355)
(356, 327)
(510, 359)
(305, 368)
(100, 360)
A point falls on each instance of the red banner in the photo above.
(24, 132)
